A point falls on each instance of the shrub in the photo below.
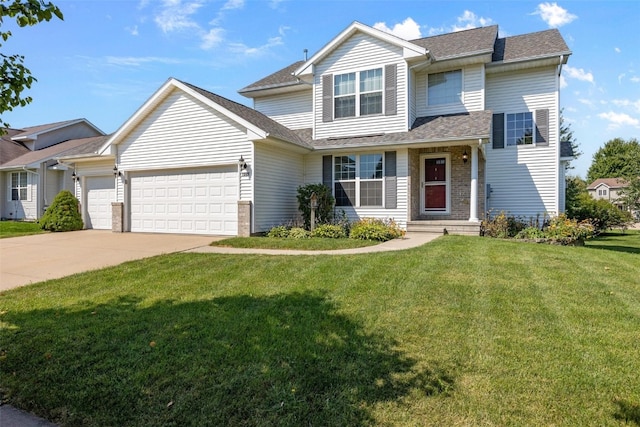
(375, 229)
(63, 214)
(330, 231)
(324, 211)
(299, 233)
(501, 226)
(280, 231)
(601, 213)
(530, 233)
(564, 230)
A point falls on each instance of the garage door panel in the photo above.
(185, 201)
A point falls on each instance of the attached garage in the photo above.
(188, 201)
(100, 194)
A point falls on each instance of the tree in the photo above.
(15, 77)
(630, 195)
(575, 187)
(566, 135)
(617, 159)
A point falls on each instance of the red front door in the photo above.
(435, 184)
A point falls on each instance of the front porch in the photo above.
(447, 189)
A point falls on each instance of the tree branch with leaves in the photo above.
(14, 75)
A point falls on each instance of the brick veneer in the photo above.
(244, 218)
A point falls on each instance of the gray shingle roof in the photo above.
(258, 119)
(57, 150)
(532, 45)
(90, 146)
(280, 78)
(28, 131)
(473, 125)
(566, 150)
(9, 149)
(609, 182)
(460, 43)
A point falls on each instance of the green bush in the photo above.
(280, 231)
(324, 211)
(501, 226)
(375, 229)
(530, 233)
(299, 233)
(63, 214)
(564, 230)
(330, 231)
(601, 213)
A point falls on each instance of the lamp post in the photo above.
(314, 206)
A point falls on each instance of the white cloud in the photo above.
(578, 74)
(407, 30)
(554, 15)
(132, 30)
(255, 51)
(571, 109)
(176, 16)
(233, 4)
(469, 20)
(212, 38)
(619, 119)
(586, 102)
(635, 79)
(136, 61)
(563, 82)
(617, 49)
(627, 103)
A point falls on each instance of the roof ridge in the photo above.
(454, 32)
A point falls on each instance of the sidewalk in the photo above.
(12, 417)
(410, 240)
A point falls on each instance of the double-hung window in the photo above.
(445, 88)
(358, 179)
(519, 129)
(358, 94)
(19, 186)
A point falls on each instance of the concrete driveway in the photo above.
(31, 259)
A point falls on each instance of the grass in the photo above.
(311, 244)
(462, 331)
(18, 228)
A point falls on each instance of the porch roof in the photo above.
(472, 125)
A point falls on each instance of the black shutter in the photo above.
(327, 98)
(327, 169)
(542, 127)
(498, 130)
(390, 90)
(390, 180)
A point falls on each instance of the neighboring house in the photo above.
(608, 189)
(437, 130)
(30, 177)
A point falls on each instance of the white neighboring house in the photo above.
(30, 177)
(429, 132)
(609, 189)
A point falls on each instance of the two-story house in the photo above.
(437, 130)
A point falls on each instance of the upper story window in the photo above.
(445, 88)
(358, 94)
(19, 186)
(520, 129)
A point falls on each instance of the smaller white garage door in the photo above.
(190, 201)
(100, 194)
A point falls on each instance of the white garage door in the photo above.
(190, 201)
(100, 194)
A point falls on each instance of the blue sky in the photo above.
(107, 57)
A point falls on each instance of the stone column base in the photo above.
(117, 217)
(244, 218)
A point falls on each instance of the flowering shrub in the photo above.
(375, 229)
(568, 231)
(331, 231)
(501, 226)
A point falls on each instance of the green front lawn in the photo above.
(18, 228)
(311, 244)
(461, 331)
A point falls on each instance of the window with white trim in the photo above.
(19, 186)
(357, 94)
(358, 179)
(519, 129)
(445, 88)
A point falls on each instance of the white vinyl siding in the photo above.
(524, 178)
(472, 93)
(359, 53)
(22, 209)
(313, 175)
(278, 173)
(183, 132)
(293, 110)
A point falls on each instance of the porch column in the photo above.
(473, 199)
